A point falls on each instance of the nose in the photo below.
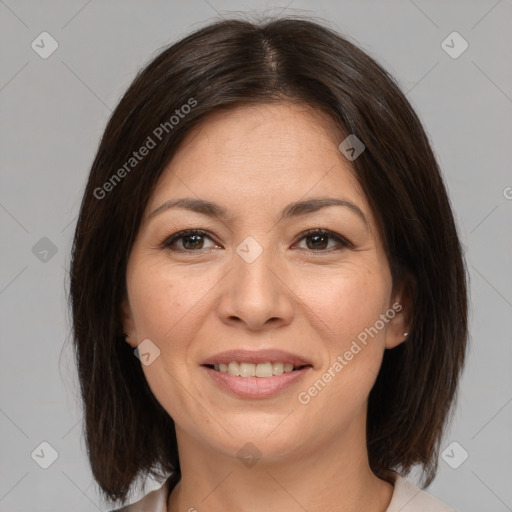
(255, 294)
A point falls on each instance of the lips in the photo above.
(255, 357)
(254, 381)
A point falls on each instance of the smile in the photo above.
(261, 370)
(252, 386)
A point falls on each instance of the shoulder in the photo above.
(154, 501)
(407, 497)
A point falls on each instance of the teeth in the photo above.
(277, 368)
(266, 369)
(247, 369)
(263, 369)
(233, 369)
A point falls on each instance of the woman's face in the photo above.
(257, 284)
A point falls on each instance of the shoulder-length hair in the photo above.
(228, 64)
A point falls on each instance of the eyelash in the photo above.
(169, 241)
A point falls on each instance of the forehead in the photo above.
(252, 157)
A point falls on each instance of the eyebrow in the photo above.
(295, 209)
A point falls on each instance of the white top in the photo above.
(406, 498)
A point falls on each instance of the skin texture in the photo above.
(254, 161)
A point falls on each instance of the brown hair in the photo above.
(232, 63)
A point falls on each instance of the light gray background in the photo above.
(53, 112)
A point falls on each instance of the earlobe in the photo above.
(128, 324)
(131, 339)
(395, 336)
(399, 327)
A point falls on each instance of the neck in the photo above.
(324, 476)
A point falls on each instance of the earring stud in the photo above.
(406, 334)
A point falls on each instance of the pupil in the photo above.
(188, 237)
(317, 237)
(320, 241)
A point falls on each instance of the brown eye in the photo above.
(190, 240)
(318, 239)
(193, 240)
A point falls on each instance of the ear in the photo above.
(128, 323)
(400, 325)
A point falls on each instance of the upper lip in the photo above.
(256, 356)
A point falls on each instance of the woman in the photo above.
(268, 290)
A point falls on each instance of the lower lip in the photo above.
(256, 387)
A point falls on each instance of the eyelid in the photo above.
(169, 240)
(342, 241)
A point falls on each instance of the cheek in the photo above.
(346, 310)
(164, 302)
(345, 303)
(163, 305)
